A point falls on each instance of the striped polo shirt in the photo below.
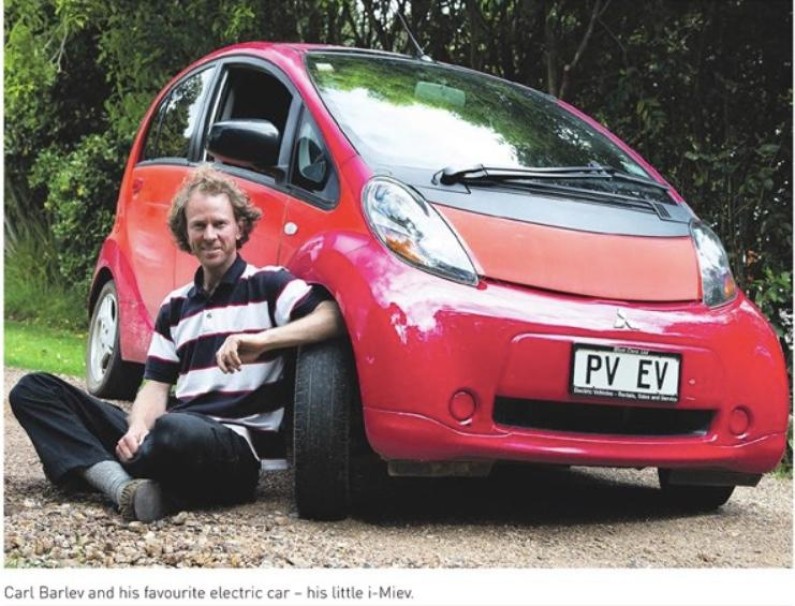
(192, 325)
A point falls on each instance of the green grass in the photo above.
(37, 347)
(35, 291)
(45, 319)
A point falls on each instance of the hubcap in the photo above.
(103, 337)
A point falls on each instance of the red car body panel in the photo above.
(419, 340)
(628, 268)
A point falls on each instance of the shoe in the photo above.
(143, 500)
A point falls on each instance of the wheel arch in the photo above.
(326, 261)
(102, 276)
(333, 261)
(112, 264)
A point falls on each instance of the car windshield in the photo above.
(402, 112)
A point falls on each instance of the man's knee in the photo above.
(175, 445)
(173, 433)
(29, 389)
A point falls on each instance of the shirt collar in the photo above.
(231, 276)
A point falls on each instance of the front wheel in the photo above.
(107, 374)
(693, 497)
(326, 395)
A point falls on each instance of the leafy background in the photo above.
(702, 89)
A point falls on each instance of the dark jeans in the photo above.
(196, 458)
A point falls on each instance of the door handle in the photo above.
(137, 185)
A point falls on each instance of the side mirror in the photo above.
(249, 143)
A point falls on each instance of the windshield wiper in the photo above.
(478, 172)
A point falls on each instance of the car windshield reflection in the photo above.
(400, 112)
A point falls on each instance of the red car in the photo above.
(517, 284)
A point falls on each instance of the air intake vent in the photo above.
(662, 211)
(601, 419)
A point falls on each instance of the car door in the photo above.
(164, 163)
(251, 89)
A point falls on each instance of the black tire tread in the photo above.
(325, 392)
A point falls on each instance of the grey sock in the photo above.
(108, 477)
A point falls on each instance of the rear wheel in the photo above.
(693, 497)
(107, 375)
(326, 402)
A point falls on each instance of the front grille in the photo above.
(602, 419)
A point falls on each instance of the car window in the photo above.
(310, 163)
(252, 94)
(177, 118)
(312, 169)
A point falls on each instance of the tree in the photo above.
(701, 88)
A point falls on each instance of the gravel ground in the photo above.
(517, 518)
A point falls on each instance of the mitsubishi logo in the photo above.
(622, 322)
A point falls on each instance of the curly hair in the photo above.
(209, 181)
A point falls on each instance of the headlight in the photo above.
(717, 283)
(413, 230)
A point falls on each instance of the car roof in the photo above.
(302, 48)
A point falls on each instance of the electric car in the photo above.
(517, 284)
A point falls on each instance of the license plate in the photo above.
(626, 373)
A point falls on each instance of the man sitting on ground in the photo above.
(220, 341)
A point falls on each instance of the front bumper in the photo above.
(401, 436)
(436, 360)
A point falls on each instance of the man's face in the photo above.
(213, 231)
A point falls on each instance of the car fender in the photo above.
(326, 260)
(113, 265)
(388, 306)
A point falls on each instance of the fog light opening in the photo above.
(462, 406)
(739, 421)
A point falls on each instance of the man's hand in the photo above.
(243, 348)
(128, 445)
(149, 404)
(238, 350)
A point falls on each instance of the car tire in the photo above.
(326, 402)
(107, 374)
(693, 497)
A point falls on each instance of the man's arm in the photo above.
(149, 404)
(324, 322)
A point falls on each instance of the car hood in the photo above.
(577, 247)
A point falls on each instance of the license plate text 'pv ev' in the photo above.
(631, 374)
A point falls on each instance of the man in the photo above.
(220, 342)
